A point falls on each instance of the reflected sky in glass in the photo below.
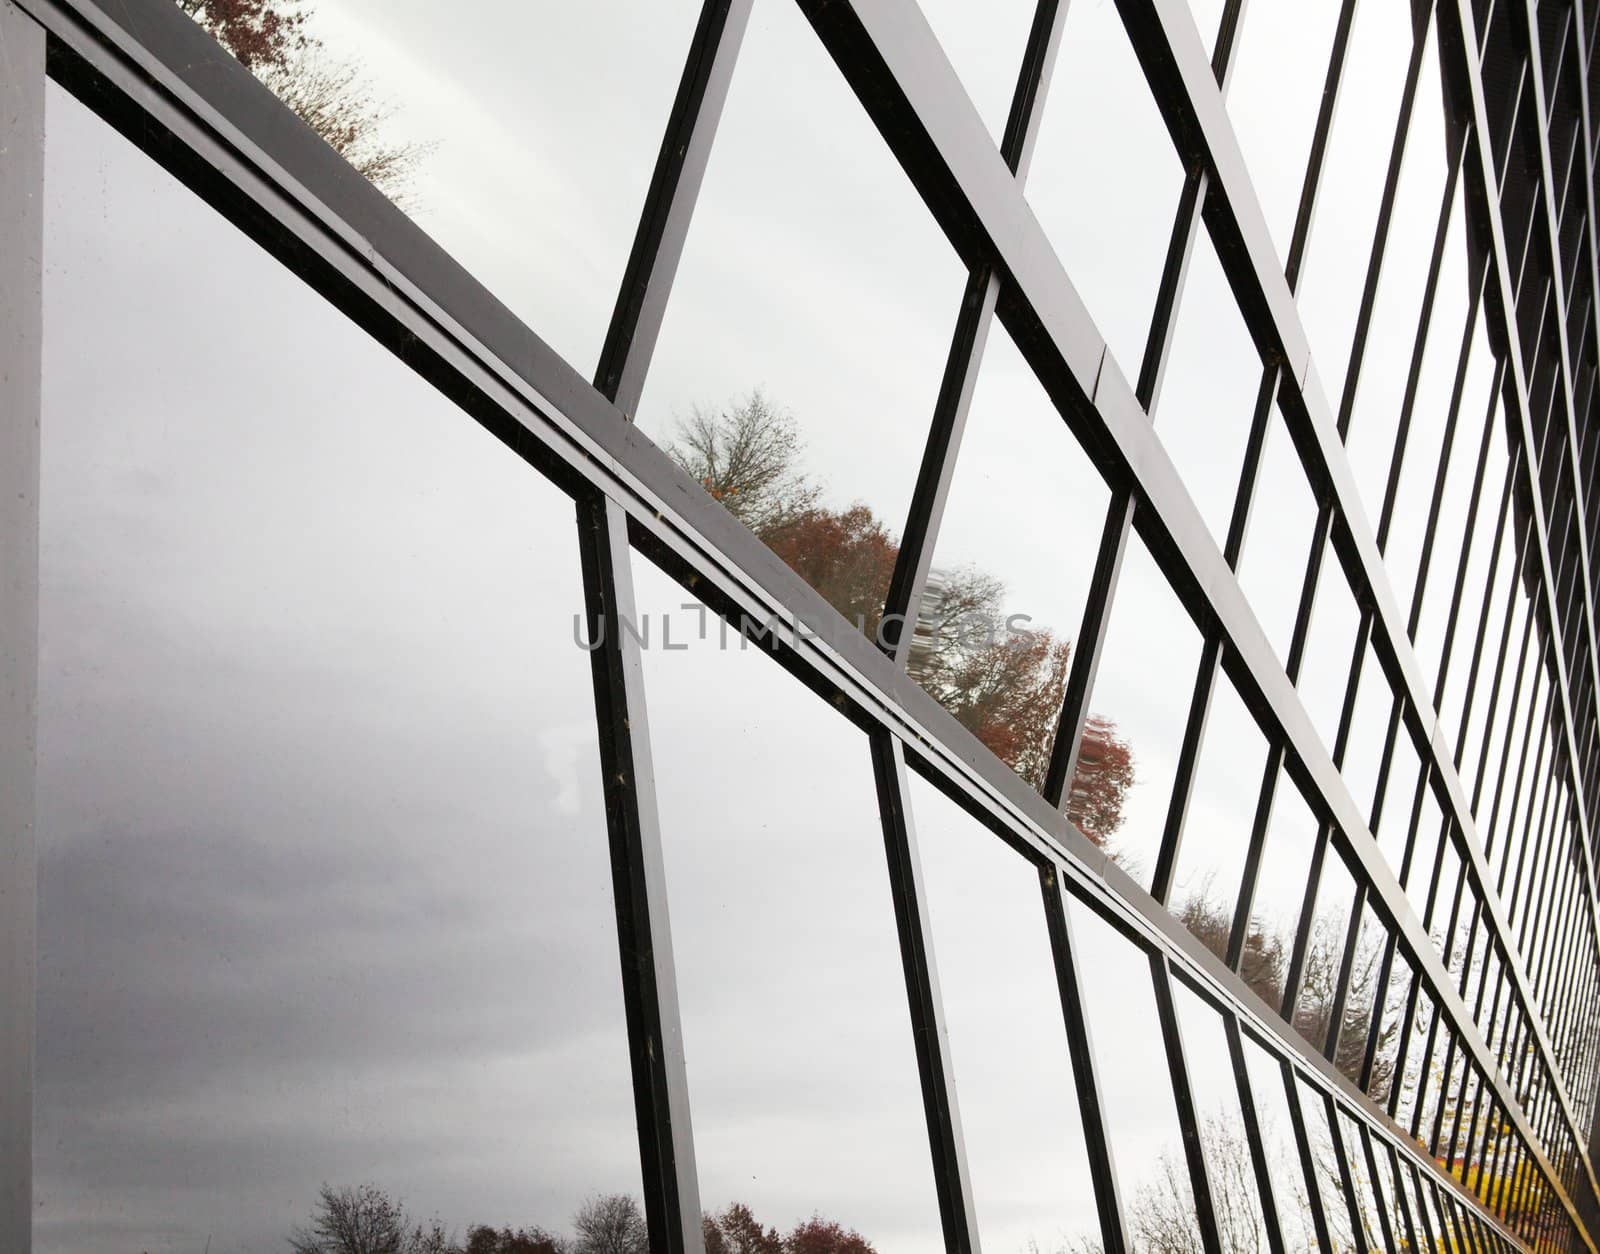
(1132, 1070)
(507, 177)
(1280, 65)
(324, 893)
(1101, 129)
(813, 275)
(802, 1068)
(1144, 686)
(1019, 1110)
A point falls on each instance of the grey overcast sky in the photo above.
(324, 883)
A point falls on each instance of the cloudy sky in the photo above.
(324, 885)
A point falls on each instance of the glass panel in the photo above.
(1395, 1206)
(1362, 992)
(1351, 185)
(1392, 827)
(1012, 568)
(1130, 1060)
(1330, 1179)
(1445, 563)
(1277, 544)
(1419, 877)
(1230, 1160)
(1391, 998)
(1280, 67)
(324, 880)
(1411, 1074)
(1501, 633)
(1290, 1197)
(1420, 464)
(803, 344)
(1369, 730)
(1370, 1207)
(1280, 892)
(802, 1070)
(1141, 697)
(1219, 817)
(1208, 393)
(1508, 721)
(1330, 919)
(1101, 129)
(472, 129)
(1402, 281)
(986, 44)
(1330, 644)
(1019, 1109)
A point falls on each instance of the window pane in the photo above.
(1101, 129)
(324, 879)
(1141, 697)
(1277, 544)
(472, 126)
(1017, 549)
(1330, 1180)
(1279, 70)
(1135, 1084)
(1369, 723)
(1402, 282)
(1330, 919)
(1363, 996)
(1019, 1109)
(1230, 1158)
(1219, 818)
(1208, 392)
(1280, 892)
(1330, 644)
(1450, 548)
(1419, 458)
(1350, 189)
(810, 320)
(1371, 1209)
(1392, 825)
(802, 1069)
(1290, 1197)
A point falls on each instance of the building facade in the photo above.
(799, 627)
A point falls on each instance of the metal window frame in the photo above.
(203, 117)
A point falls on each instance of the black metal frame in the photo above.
(161, 80)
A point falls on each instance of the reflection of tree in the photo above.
(1000, 679)
(737, 1231)
(1263, 965)
(365, 1219)
(268, 37)
(1160, 1216)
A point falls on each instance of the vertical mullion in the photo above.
(22, 44)
(649, 981)
(951, 1180)
(1310, 1169)
(1252, 1131)
(1183, 1092)
(1091, 1105)
(919, 537)
(669, 204)
(655, 1033)
(1319, 143)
